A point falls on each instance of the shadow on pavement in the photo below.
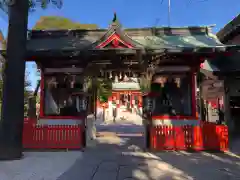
(120, 157)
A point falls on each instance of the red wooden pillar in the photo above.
(117, 100)
(110, 98)
(139, 100)
(117, 103)
(132, 98)
(194, 102)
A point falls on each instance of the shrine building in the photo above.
(120, 54)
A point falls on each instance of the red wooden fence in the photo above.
(52, 137)
(205, 137)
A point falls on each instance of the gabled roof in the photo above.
(183, 39)
(62, 44)
(197, 39)
(116, 32)
(230, 30)
(228, 63)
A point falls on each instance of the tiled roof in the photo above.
(192, 39)
(233, 27)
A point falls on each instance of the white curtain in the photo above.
(50, 105)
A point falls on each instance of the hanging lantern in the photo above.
(163, 81)
(120, 75)
(72, 84)
(52, 82)
(73, 81)
(125, 78)
(55, 84)
(116, 79)
(101, 73)
(110, 75)
(178, 82)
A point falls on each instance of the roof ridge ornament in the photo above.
(115, 22)
(114, 17)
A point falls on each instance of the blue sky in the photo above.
(138, 13)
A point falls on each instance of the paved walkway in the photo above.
(117, 155)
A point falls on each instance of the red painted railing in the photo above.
(52, 136)
(205, 137)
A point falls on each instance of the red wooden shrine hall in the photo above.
(172, 117)
(63, 112)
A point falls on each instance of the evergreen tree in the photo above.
(11, 124)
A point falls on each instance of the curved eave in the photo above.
(199, 50)
(71, 53)
(229, 35)
(230, 30)
(127, 51)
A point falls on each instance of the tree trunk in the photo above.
(12, 115)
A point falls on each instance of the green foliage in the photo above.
(104, 88)
(145, 82)
(56, 22)
(34, 4)
(4, 44)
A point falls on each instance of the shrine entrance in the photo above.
(71, 61)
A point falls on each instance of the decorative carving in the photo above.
(114, 41)
(120, 75)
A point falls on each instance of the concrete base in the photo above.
(91, 127)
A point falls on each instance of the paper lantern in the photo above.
(178, 81)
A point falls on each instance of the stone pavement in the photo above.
(120, 157)
(235, 145)
(38, 166)
(117, 155)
